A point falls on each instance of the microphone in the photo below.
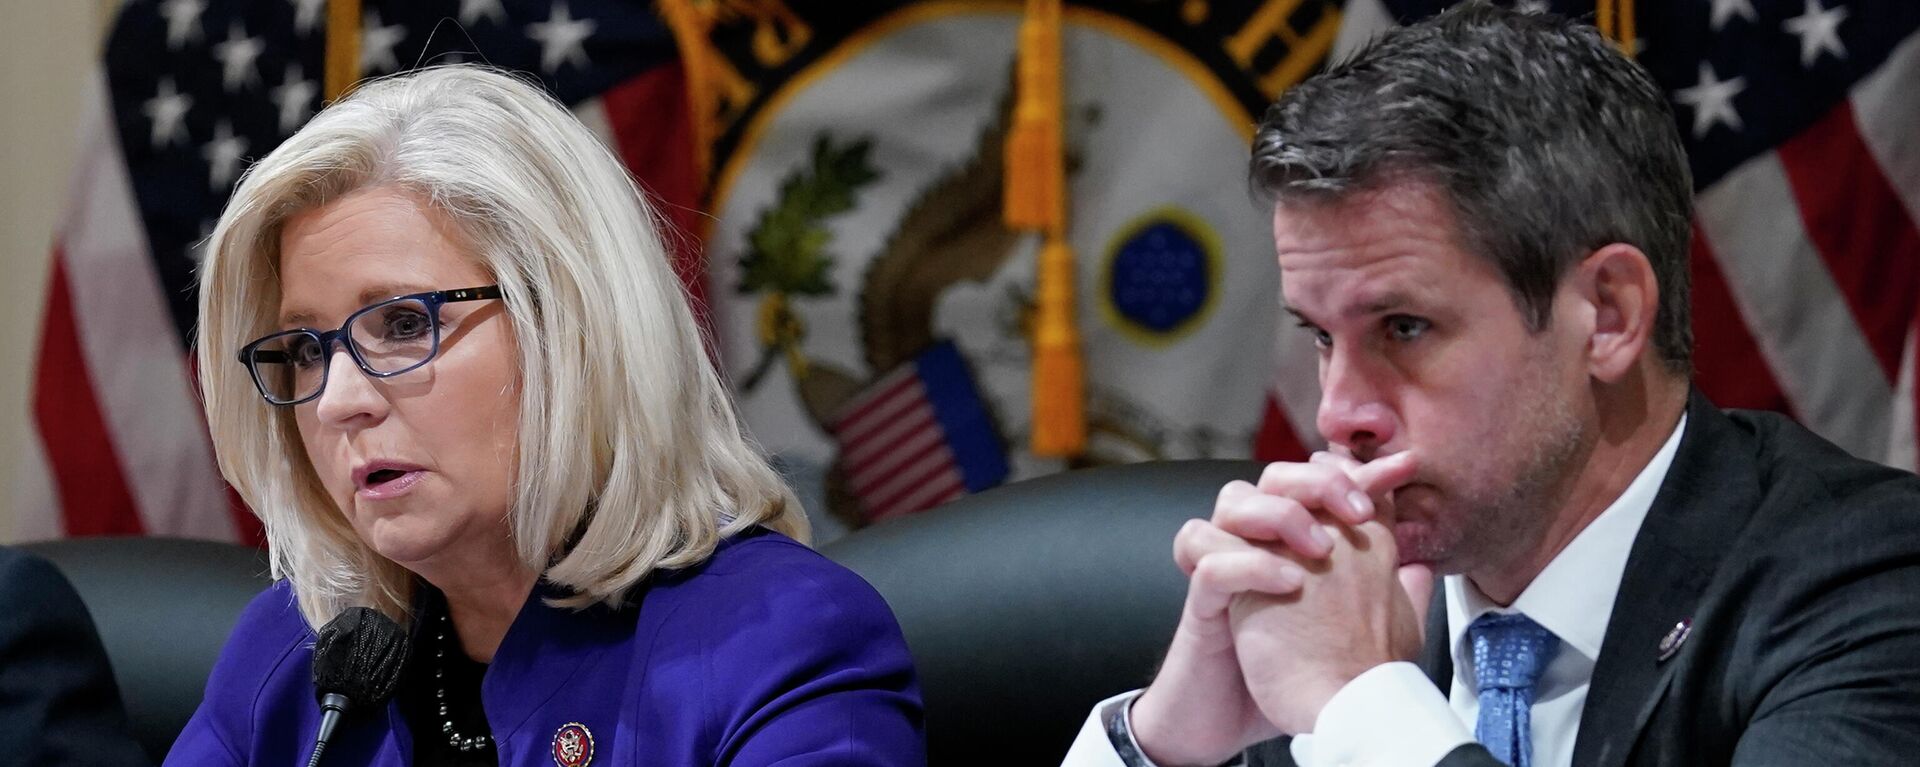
(356, 665)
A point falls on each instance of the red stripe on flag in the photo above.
(859, 452)
(92, 486)
(1856, 220)
(653, 126)
(934, 492)
(912, 480)
(246, 525)
(866, 477)
(867, 412)
(865, 474)
(1276, 441)
(1728, 365)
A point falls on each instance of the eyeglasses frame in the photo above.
(343, 335)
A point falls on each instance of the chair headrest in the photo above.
(1028, 603)
(164, 608)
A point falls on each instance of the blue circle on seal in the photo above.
(1160, 277)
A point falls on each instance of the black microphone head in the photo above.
(360, 655)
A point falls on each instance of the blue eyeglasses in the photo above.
(385, 339)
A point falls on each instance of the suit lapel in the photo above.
(1707, 496)
(555, 656)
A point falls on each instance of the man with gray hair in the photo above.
(1483, 220)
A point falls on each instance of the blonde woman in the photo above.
(446, 361)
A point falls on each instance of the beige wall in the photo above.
(47, 50)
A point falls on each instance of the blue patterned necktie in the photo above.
(1509, 652)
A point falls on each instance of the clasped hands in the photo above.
(1294, 589)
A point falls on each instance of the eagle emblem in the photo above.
(573, 745)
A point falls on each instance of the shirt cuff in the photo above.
(1390, 715)
(1106, 740)
(1092, 747)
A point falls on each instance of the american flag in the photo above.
(918, 437)
(187, 93)
(1798, 117)
(1796, 114)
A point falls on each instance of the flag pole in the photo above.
(1615, 20)
(343, 48)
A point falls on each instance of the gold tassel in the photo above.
(1035, 169)
(343, 48)
(1035, 198)
(1059, 374)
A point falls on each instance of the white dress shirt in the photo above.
(1392, 716)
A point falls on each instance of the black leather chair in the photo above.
(1027, 604)
(1023, 606)
(164, 608)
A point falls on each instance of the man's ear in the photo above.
(1618, 283)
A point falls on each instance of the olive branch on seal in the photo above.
(787, 247)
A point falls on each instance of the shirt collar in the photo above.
(1573, 596)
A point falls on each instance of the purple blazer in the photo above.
(767, 653)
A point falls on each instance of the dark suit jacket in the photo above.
(1798, 567)
(58, 702)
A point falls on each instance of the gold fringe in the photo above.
(1059, 373)
(692, 33)
(343, 48)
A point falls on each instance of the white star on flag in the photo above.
(1712, 101)
(223, 155)
(306, 15)
(472, 11)
(1725, 10)
(237, 56)
(1819, 32)
(294, 96)
(377, 42)
(168, 111)
(562, 39)
(183, 21)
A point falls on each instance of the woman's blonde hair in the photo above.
(631, 458)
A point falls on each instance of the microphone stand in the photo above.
(332, 706)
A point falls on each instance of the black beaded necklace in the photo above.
(455, 739)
